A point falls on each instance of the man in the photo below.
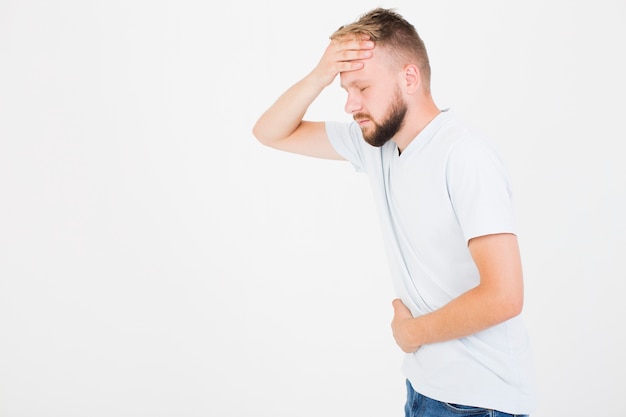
(445, 204)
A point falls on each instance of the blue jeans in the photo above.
(418, 405)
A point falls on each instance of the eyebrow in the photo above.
(352, 83)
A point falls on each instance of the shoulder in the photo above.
(465, 141)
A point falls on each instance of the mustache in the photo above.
(358, 116)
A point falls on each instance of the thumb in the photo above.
(398, 304)
(400, 309)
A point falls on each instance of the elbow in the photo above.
(511, 306)
(258, 134)
(264, 137)
(503, 304)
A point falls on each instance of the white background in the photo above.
(155, 260)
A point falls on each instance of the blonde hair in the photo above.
(387, 28)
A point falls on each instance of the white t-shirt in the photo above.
(448, 186)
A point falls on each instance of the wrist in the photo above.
(414, 333)
(318, 79)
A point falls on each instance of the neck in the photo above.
(415, 121)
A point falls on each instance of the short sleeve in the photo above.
(479, 189)
(347, 140)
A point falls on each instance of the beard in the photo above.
(382, 132)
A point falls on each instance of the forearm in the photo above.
(498, 297)
(472, 312)
(283, 117)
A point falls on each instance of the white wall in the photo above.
(156, 260)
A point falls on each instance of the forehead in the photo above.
(376, 69)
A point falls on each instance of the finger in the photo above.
(397, 304)
(351, 55)
(359, 36)
(357, 45)
(353, 43)
(400, 309)
(349, 66)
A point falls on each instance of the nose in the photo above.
(353, 104)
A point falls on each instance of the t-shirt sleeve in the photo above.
(347, 141)
(479, 189)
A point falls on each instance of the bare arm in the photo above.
(282, 127)
(498, 297)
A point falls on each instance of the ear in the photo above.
(412, 78)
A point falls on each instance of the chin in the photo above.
(368, 133)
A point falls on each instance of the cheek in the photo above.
(377, 106)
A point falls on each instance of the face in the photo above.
(375, 100)
(379, 132)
